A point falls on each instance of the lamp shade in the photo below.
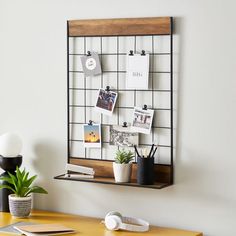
(10, 145)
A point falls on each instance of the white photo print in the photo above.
(106, 101)
(123, 136)
(142, 120)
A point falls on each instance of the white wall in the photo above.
(33, 104)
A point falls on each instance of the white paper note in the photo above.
(137, 71)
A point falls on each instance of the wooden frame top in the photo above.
(120, 27)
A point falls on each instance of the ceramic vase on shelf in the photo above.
(122, 172)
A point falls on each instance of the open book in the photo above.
(44, 229)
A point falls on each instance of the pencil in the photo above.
(136, 150)
(154, 151)
(151, 150)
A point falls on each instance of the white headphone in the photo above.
(115, 221)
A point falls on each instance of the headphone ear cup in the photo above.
(113, 220)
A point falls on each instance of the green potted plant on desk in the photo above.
(21, 187)
(122, 167)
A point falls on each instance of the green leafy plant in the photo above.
(123, 156)
(20, 184)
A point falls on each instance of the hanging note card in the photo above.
(91, 64)
(137, 71)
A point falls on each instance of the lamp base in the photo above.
(4, 205)
(10, 163)
(7, 164)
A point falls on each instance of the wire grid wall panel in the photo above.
(83, 92)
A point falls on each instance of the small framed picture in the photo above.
(92, 135)
(142, 120)
(123, 136)
(106, 101)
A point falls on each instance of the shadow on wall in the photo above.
(50, 160)
(190, 174)
(186, 171)
(178, 36)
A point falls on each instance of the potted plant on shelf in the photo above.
(122, 167)
(21, 187)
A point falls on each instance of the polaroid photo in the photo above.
(137, 74)
(106, 101)
(91, 64)
(92, 135)
(142, 120)
(123, 136)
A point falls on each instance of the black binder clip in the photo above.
(88, 53)
(90, 122)
(131, 53)
(145, 107)
(124, 124)
(108, 88)
(143, 53)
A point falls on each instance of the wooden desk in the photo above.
(87, 226)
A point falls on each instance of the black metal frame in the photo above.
(118, 72)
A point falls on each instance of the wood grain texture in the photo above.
(120, 27)
(87, 226)
(104, 168)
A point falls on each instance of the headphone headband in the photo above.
(134, 224)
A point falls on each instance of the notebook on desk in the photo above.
(9, 229)
(44, 229)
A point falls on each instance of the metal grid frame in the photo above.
(117, 89)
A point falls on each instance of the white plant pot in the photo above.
(122, 172)
(20, 206)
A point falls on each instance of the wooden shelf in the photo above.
(104, 180)
(104, 173)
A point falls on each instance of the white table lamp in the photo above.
(10, 158)
(10, 145)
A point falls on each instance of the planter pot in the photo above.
(20, 206)
(122, 172)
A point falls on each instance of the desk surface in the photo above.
(87, 226)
